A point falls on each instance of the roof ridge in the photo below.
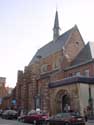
(52, 47)
(70, 30)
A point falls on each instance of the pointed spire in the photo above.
(56, 27)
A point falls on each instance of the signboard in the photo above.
(14, 101)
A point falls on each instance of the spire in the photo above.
(56, 27)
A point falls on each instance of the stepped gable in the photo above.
(54, 46)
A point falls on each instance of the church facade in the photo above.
(60, 73)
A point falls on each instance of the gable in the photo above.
(54, 46)
(84, 55)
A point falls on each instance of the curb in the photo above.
(90, 121)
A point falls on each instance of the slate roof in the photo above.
(86, 54)
(53, 46)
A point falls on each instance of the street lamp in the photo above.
(37, 97)
(90, 101)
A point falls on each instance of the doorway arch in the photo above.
(65, 101)
(62, 98)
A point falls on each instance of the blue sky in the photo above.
(26, 25)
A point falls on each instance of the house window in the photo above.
(86, 72)
(77, 74)
(71, 74)
(44, 68)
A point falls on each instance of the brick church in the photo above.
(60, 73)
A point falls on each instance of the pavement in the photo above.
(91, 120)
(89, 123)
(15, 122)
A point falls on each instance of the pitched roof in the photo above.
(86, 54)
(53, 46)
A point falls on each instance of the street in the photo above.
(15, 122)
(90, 123)
(11, 122)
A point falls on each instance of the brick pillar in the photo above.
(18, 88)
(45, 96)
(33, 89)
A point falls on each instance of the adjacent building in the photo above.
(6, 94)
(60, 73)
(3, 90)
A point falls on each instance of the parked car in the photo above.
(22, 116)
(34, 118)
(66, 118)
(9, 114)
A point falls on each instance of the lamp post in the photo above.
(90, 101)
(37, 97)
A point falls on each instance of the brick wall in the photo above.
(32, 79)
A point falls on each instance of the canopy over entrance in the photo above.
(72, 80)
(79, 93)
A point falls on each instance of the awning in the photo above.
(71, 80)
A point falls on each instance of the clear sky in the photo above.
(26, 25)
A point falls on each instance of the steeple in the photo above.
(56, 27)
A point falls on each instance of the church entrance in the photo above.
(63, 101)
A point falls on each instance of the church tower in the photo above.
(56, 27)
